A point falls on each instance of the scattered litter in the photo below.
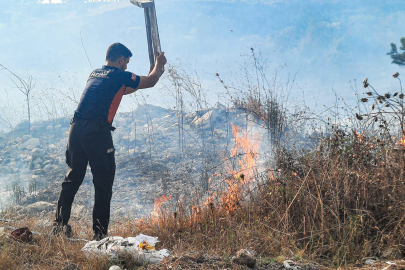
(142, 247)
(115, 267)
(289, 264)
(245, 257)
(370, 261)
(1, 231)
(22, 234)
(390, 263)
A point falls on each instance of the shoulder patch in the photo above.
(133, 77)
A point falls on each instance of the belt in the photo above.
(83, 122)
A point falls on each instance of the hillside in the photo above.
(158, 152)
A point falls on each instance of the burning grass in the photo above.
(338, 204)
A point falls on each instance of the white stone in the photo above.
(48, 168)
(30, 144)
(219, 106)
(37, 207)
(26, 138)
(119, 122)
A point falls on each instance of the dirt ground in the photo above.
(201, 262)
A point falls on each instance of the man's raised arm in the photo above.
(153, 77)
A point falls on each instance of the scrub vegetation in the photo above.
(332, 193)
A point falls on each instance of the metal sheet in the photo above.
(149, 38)
(152, 31)
(142, 3)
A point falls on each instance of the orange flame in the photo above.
(248, 150)
(359, 137)
(402, 141)
(157, 207)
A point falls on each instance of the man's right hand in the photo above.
(161, 59)
(153, 76)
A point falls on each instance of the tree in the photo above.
(398, 58)
(25, 86)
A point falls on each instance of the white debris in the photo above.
(370, 261)
(289, 264)
(142, 247)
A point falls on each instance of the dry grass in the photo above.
(46, 252)
(336, 205)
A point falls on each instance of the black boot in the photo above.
(58, 228)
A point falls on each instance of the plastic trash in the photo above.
(22, 234)
(142, 247)
(370, 261)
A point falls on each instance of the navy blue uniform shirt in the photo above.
(103, 93)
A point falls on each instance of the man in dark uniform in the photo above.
(90, 138)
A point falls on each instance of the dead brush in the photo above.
(345, 201)
(45, 252)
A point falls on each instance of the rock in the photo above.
(115, 267)
(391, 253)
(26, 138)
(30, 144)
(188, 116)
(37, 153)
(203, 120)
(200, 113)
(119, 122)
(79, 211)
(48, 168)
(289, 264)
(245, 257)
(37, 208)
(71, 267)
(37, 161)
(219, 106)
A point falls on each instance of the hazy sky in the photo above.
(325, 43)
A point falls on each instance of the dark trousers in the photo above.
(89, 142)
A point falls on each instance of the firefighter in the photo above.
(90, 140)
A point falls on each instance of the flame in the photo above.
(271, 176)
(195, 212)
(157, 207)
(248, 151)
(238, 183)
(402, 141)
(359, 137)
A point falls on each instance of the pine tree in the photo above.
(398, 58)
